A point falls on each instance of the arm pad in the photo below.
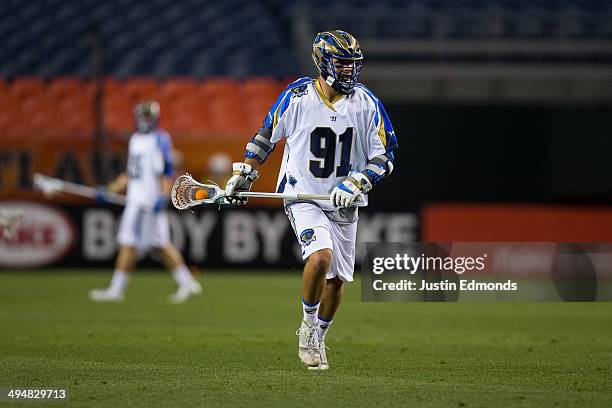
(260, 146)
(378, 168)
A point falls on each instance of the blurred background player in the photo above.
(144, 224)
(339, 141)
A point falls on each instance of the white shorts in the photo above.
(315, 231)
(143, 229)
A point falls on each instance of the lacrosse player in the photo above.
(339, 140)
(144, 224)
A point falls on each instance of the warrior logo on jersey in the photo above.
(299, 91)
(307, 236)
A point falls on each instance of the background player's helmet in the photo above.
(146, 116)
(337, 44)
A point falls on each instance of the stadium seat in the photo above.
(118, 109)
(77, 110)
(175, 88)
(45, 38)
(40, 113)
(227, 117)
(140, 89)
(259, 88)
(118, 119)
(219, 88)
(62, 88)
(26, 87)
(259, 95)
(187, 112)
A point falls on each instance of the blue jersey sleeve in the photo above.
(261, 146)
(390, 140)
(165, 146)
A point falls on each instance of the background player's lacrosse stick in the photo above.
(186, 193)
(49, 185)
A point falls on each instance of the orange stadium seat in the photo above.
(73, 102)
(26, 87)
(185, 113)
(259, 94)
(141, 89)
(256, 113)
(118, 119)
(215, 88)
(117, 108)
(77, 112)
(175, 88)
(227, 116)
(7, 120)
(40, 113)
(61, 88)
(110, 86)
(5, 100)
(178, 99)
(256, 88)
(10, 112)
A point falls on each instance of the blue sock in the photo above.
(310, 311)
(324, 324)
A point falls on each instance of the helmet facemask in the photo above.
(332, 52)
(339, 78)
(146, 116)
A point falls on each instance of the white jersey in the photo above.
(326, 142)
(148, 159)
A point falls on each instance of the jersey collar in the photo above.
(326, 101)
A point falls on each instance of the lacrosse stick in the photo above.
(186, 193)
(49, 185)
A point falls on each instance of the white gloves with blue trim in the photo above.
(243, 176)
(350, 190)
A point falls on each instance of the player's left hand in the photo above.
(160, 204)
(101, 194)
(350, 190)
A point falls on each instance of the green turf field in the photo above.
(236, 346)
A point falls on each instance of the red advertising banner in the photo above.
(516, 222)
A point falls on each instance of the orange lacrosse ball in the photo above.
(201, 194)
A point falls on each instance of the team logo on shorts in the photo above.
(307, 236)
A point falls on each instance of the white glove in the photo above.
(351, 189)
(242, 177)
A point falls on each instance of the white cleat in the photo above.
(105, 295)
(308, 344)
(184, 292)
(323, 365)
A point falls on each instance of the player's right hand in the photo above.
(242, 178)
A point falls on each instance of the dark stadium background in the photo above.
(503, 114)
(499, 106)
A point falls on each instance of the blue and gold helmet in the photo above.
(146, 116)
(330, 46)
